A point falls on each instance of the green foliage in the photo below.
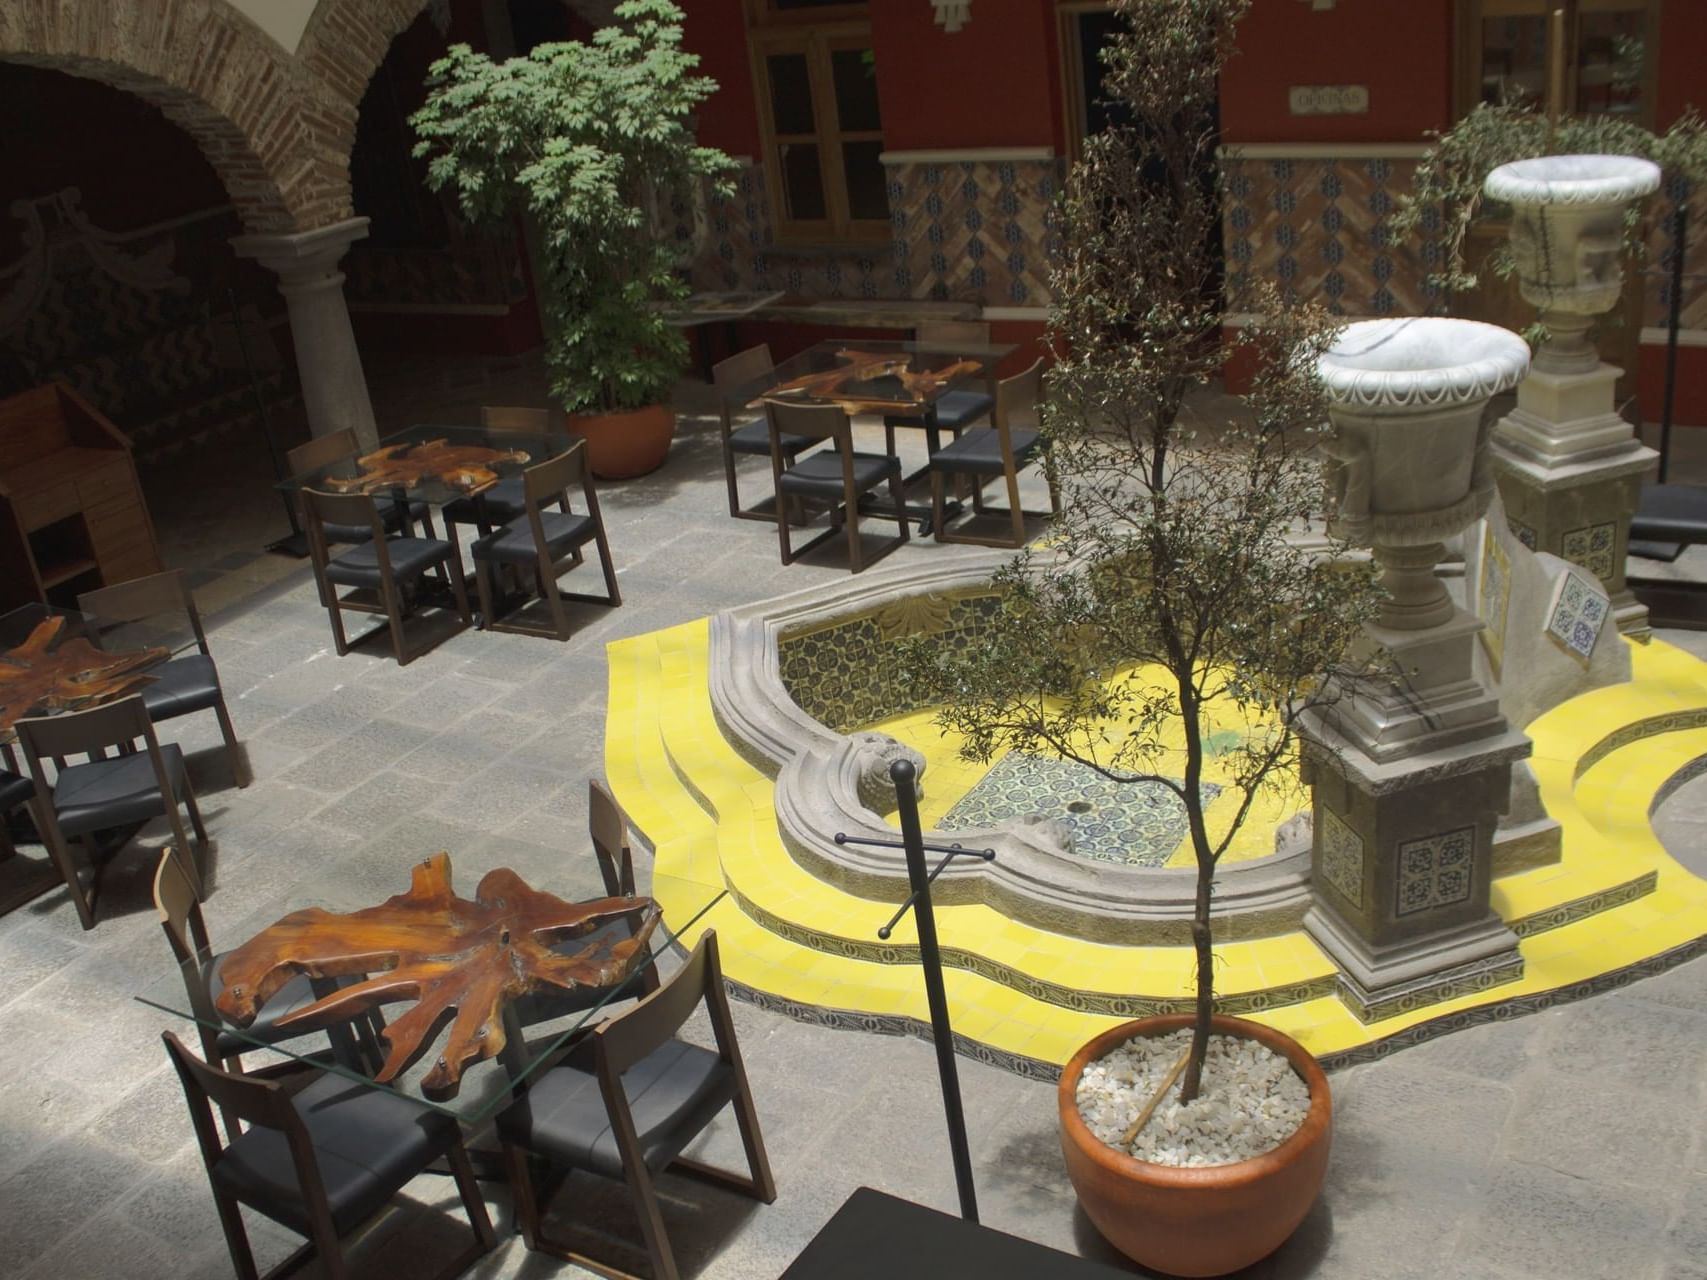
(1449, 178)
(588, 140)
(1175, 547)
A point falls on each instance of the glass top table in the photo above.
(434, 464)
(472, 994)
(866, 375)
(53, 660)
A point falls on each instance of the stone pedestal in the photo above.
(1402, 863)
(334, 392)
(1570, 474)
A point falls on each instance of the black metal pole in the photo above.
(930, 958)
(1679, 236)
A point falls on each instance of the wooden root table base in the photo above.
(441, 951)
(467, 467)
(40, 676)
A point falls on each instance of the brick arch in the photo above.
(268, 129)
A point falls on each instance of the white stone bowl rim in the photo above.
(1573, 180)
(1421, 362)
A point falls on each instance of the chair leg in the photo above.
(609, 566)
(522, 1192)
(484, 1237)
(336, 613)
(938, 518)
(782, 532)
(459, 590)
(1014, 508)
(236, 1238)
(483, 588)
(186, 853)
(554, 599)
(651, 1218)
(60, 854)
(239, 774)
(7, 848)
(394, 620)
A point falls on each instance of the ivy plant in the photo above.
(588, 140)
(1447, 198)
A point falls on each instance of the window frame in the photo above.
(1069, 51)
(816, 39)
(1467, 40)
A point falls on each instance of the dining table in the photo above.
(451, 997)
(901, 381)
(50, 663)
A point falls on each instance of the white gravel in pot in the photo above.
(1251, 1101)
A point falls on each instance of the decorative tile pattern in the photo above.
(1493, 596)
(1342, 857)
(1436, 988)
(1576, 614)
(1523, 533)
(1591, 547)
(844, 675)
(1671, 722)
(1136, 823)
(1319, 227)
(1435, 871)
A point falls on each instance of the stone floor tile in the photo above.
(1534, 1219)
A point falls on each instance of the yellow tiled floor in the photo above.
(708, 814)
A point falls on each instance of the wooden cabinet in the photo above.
(72, 516)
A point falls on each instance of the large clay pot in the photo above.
(621, 446)
(1197, 1222)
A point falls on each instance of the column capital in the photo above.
(304, 259)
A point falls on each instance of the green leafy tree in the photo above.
(1176, 552)
(590, 141)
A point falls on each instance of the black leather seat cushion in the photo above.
(180, 687)
(953, 409)
(115, 791)
(980, 451)
(390, 515)
(755, 437)
(368, 1142)
(500, 504)
(14, 790)
(1671, 513)
(514, 542)
(819, 475)
(409, 556)
(673, 1093)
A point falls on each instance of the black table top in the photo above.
(878, 1237)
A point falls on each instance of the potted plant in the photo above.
(1172, 600)
(586, 140)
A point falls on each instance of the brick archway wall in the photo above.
(276, 136)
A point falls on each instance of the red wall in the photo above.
(990, 84)
(717, 31)
(1683, 41)
(1400, 49)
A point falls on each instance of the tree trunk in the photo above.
(1200, 941)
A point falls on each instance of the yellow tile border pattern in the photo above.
(1026, 998)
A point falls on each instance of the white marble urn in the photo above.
(1408, 400)
(1567, 237)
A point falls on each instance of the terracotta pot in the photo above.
(621, 446)
(1197, 1222)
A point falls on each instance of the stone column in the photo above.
(334, 392)
(1570, 467)
(1410, 773)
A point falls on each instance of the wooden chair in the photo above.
(837, 476)
(382, 565)
(753, 435)
(335, 446)
(985, 453)
(131, 787)
(180, 913)
(627, 1101)
(184, 685)
(504, 501)
(319, 1160)
(547, 542)
(956, 410)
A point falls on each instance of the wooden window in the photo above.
(821, 124)
(1084, 27)
(1611, 47)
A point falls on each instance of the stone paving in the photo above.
(1568, 1143)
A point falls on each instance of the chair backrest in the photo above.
(631, 1035)
(815, 421)
(518, 418)
(609, 831)
(949, 332)
(257, 1101)
(742, 367)
(141, 598)
(322, 451)
(91, 732)
(342, 508)
(546, 480)
(181, 921)
(1017, 394)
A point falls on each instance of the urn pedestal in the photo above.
(1410, 774)
(1570, 467)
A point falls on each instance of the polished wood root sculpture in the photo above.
(866, 366)
(443, 952)
(467, 467)
(41, 676)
